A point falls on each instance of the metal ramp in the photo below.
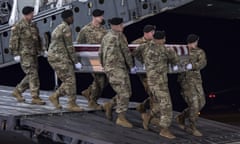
(11, 111)
(91, 127)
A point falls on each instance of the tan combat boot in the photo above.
(54, 99)
(165, 132)
(107, 107)
(140, 108)
(122, 121)
(86, 93)
(38, 101)
(180, 119)
(18, 96)
(154, 121)
(94, 105)
(146, 119)
(72, 106)
(193, 130)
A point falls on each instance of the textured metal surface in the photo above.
(10, 107)
(94, 128)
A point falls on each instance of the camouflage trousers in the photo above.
(143, 79)
(120, 82)
(98, 85)
(161, 100)
(147, 102)
(193, 95)
(29, 65)
(65, 72)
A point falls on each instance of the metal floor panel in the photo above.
(10, 107)
(93, 127)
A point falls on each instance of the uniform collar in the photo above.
(63, 22)
(115, 32)
(26, 22)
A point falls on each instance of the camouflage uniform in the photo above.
(116, 60)
(93, 35)
(140, 40)
(191, 85)
(26, 43)
(156, 58)
(61, 56)
(143, 78)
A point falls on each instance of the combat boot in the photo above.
(38, 101)
(122, 121)
(180, 119)
(165, 132)
(140, 108)
(72, 106)
(107, 107)
(86, 93)
(18, 95)
(146, 119)
(154, 121)
(94, 105)
(193, 130)
(54, 99)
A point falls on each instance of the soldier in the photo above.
(156, 58)
(93, 33)
(116, 59)
(25, 45)
(191, 86)
(62, 58)
(148, 32)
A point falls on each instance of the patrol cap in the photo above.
(115, 20)
(192, 38)
(27, 10)
(159, 35)
(149, 28)
(67, 13)
(97, 12)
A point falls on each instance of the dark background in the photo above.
(219, 37)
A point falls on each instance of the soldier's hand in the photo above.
(189, 66)
(134, 70)
(175, 68)
(78, 66)
(17, 58)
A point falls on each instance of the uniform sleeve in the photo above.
(128, 57)
(126, 52)
(67, 36)
(81, 38)
(137, 41)
(108, 43)
(172, 56)
(201, 60)
(39, 43)
(100, 52)
(14, 40)
(137, 53)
